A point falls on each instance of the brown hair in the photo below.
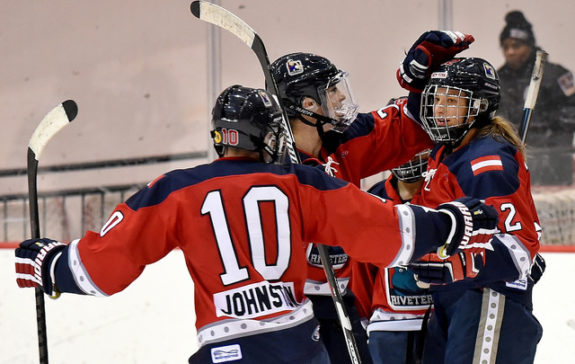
(503, 128)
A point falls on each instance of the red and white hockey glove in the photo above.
(473, 224)
(432, 270)
(35, 263)
(433, 48)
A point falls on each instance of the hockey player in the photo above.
(485, 317)
(398, 306)
(329, 131)
(389, 297)
(242, 223)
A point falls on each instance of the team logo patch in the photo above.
(489, 71)
(485, 164)
(294, 67)
(217, 137)
(266, 100)
(567, 84)
(223, 354)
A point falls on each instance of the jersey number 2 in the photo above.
(233, 272)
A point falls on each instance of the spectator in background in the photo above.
(550, 137)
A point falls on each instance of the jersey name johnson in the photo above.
(254, 300)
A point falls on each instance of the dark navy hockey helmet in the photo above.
(412, 171)
(461, 93)
(300, 75)
(250, 119)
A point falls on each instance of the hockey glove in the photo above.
(35, 263)
(537, 268)
(473, 225)
(433, 48)
(432, 270)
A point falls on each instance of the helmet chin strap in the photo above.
(300, 111)
(479, 122)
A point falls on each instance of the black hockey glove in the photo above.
(537, 268)
(473, 225)
(432, 270)
(431, 49)
(35, 263)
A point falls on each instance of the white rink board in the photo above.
(152, 321)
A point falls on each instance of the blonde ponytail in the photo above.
(503, 128)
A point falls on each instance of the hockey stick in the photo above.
(55, 120)
(532, 92)
(224, 19)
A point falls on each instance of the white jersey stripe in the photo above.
(81, 276)
(487, 341)
(488, 163)
(315, 288)
(234, 328)
(407, 229)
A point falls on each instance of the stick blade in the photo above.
(51, 124)
(71, 109)
(195, 8)
(223, 18)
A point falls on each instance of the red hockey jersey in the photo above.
(389, 297)
(243, 227)
(373, 143)
(491, 169)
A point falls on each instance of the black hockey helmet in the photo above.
(412, 171)
(299, 75)
(474, 83)
(249, 119)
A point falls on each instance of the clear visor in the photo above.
(338, 102)
(448, 112)
(275, 142)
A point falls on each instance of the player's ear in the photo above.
(310, 104)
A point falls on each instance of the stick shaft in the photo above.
(532, 93)
(224, 19)
(35, 230)
(53, 122)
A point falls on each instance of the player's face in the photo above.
(335, 97)
(516, 52)
(449, 107)
(338, 102)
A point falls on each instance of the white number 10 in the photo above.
(213, 205)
